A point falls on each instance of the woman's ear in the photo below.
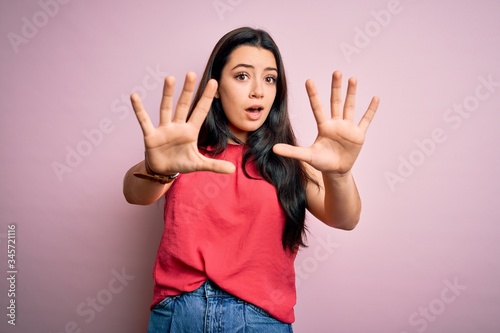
(217, 94)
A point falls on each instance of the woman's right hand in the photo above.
(172, 146)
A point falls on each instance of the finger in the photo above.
(336, 95)
(204, 104)
(315, 102)
(218, 166)
(369, 114)
(298, 153)
(350, 100)
(167, 100)
(141, 114)
(184, 103)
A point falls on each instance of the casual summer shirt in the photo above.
(226, 228)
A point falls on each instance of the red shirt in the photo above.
(226, 228)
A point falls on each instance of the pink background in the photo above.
(424, 257)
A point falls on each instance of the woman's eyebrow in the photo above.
(253, 67)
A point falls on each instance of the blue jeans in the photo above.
(209, 309)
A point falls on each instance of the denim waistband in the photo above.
(210, 289)
(210, 309)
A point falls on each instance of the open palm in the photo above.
(339, 139)
(172, 146)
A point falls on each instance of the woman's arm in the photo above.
(336, 201)
(172, 146)
(330, 158)
(142, 191)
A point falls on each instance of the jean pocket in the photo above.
(165, 302)
(259, 311)
(259, 320)
(160, 319)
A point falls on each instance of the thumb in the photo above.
(218, 166)
(298, 153)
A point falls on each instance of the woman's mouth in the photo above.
(254, 112)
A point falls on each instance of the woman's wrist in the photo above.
(150, 171)
(336, 175)
(153, 176)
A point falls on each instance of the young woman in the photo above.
(237, 188)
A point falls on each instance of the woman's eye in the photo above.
(271, 79)
(242, 76)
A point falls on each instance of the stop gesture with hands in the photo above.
(339, 140)
(172, 146)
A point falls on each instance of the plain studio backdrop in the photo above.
(424, 257)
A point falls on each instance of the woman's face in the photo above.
(247, 88)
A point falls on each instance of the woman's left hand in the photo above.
(339, 140)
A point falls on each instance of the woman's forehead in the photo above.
(251, 56)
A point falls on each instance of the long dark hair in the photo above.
(286, 174)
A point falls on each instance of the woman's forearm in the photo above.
(142, 191)
(342, 202)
